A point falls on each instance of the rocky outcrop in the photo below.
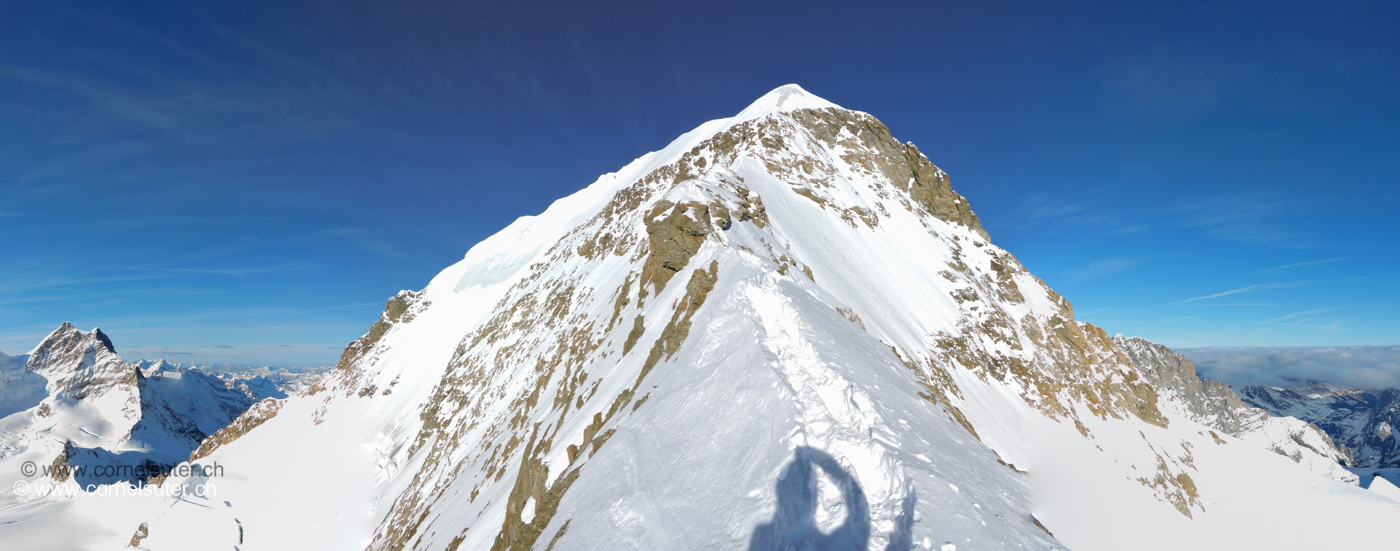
(675, 233)
(1211, 403)
(142, 532)
(1214, 405)
(256, 415)
(872, 147)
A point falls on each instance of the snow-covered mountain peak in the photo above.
(66, 333)
(78, 364)
(744, 249)
(77, 399)
(788, 97)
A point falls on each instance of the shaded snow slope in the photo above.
(783, 329)
(19, 389)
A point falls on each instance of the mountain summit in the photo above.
(784, 330)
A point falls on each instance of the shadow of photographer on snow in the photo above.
(795, 525)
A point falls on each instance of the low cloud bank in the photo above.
(1362, 367)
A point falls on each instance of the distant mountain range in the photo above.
(1361, 421)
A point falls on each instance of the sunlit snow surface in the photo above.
(778, 420)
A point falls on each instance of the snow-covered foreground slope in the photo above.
(784, 330)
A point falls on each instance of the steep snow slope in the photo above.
(784, 328)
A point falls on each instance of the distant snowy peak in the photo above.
(75, 393)
(263, 381)
(79, 364)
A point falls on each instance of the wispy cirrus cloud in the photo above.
(37, 279)
(1249, 219)
(1249, 289)
(1241, 304)
(1295, 315)
(1102, 267)
(1307, 319)
(1073, 215)
(367, 241)
(235, 272)
(1301, 264)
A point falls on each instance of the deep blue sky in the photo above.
(248, 181)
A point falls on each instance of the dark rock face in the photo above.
(1361, 421)
(675, 233)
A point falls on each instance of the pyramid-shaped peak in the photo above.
(67, 336)
(788, 97)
